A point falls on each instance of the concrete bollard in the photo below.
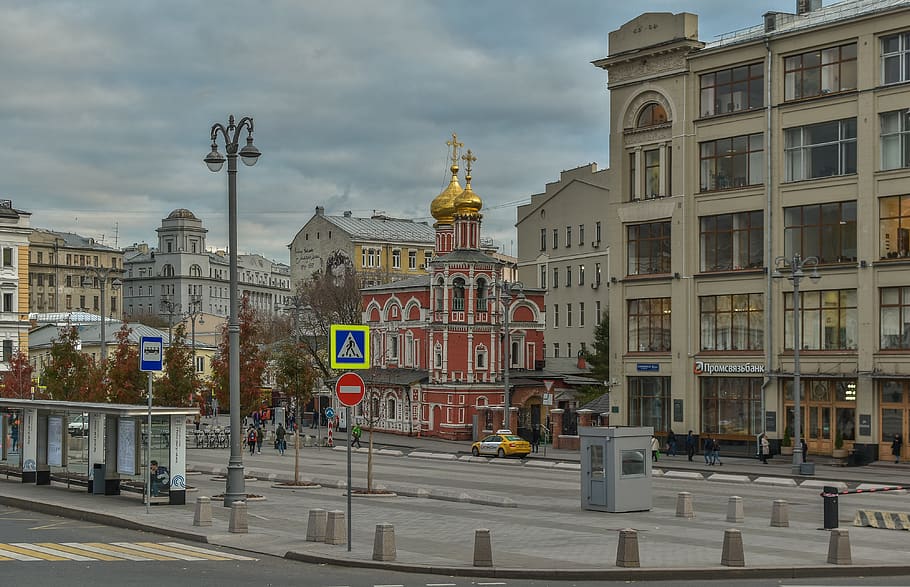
(335, 529)
(238, 523)
(839, 548)
(732, 555)
(780, 514)
(735, 509)
(384, 543)
(483, 548)
(203, 514)
(627, 549)
(315, 527)
(684, 505)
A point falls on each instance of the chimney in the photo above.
(807, 6)
(347, 213)
(320, 211)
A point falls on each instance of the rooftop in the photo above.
(385, 229)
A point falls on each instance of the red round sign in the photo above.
(350, 389)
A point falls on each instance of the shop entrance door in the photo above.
(819, 431)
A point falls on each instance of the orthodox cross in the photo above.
(455, 146)
(468, 159)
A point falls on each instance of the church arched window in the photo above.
(650, 115)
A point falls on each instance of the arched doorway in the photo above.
(529, 417)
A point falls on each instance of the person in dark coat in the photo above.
(708, 448)
(805, 448)
(896, 445)
(690, 445)
(671, 443)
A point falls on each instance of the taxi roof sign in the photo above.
(350, 346)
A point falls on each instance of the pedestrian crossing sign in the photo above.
(350, 346)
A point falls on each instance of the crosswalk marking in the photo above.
(111, 552)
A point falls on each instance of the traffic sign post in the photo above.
(350, 346)
(151, 359)
(349, 389)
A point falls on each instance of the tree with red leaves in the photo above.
(252, 362)
(17, 382)
(178, 382)
(126, 384)
(70, 374)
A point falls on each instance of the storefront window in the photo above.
(892, 392)
(649, 402)
(731, 405)
(892, 423)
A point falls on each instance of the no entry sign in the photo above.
(350, 389)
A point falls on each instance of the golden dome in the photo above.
(468, 203)
(443, 206)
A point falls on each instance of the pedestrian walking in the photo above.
(260, 436)
(671, 443)
(715, 453)
(535, 439)
(280, 443)
(655, 448)
(805, 448)
(690, 445)
(356, 433)
(764, 448)
(896, 445)
(251, 440)
(707, 448)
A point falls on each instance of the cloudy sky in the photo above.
(107, 106)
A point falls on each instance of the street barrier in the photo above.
(203, 514)
(780, 514)
(335, 529)
(830, 497)
(315, 528)
(732, 555)
(735, 509)
(238, 523)
(880, 519)
(627, 549)
(684, 507)
(839, 548)
(384, 543)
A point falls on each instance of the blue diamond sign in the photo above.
(349, 346)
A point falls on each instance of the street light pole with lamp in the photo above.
(193, 313)
(796, 265)
(235, 489)
(506, 291)
(102, 274)
(171, 308)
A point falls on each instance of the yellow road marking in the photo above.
(158, 546)
(72, 550)
(31, 553)
(130, 551)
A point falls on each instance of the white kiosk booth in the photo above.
(615, 468)
(101, 446)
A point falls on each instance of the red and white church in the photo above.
(437, 339)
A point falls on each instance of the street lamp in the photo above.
(235, 489)
(102, 274)
(796, 266)
(171, 308)
(193, 313)
(508, 289)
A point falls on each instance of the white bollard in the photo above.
(238, 523)
(733, 555)
(684, 507)
(335, 529)
(735, 509)
(203, 514)
(839, 548)
(384, 543)
(780, 514)
(627, 549)
(315, 528)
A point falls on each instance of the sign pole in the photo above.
(148, 453)
(347, 418)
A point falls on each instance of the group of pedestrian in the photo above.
(711, 448)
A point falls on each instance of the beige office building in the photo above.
(730, 159)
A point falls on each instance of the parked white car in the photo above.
(78, 425)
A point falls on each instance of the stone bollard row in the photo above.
(735, 509)
(733, 555)
(684, 505)
(335, 529)
(315, 527)
(384, 543)
(238, 523)
(483, 548)
(203, 514)
(627, 549)
(780, 514)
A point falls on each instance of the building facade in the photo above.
(789, 140)
(181, 274)
(563, 249)
(65, 270)
(437, 339)
(14, 231)
(380, 249)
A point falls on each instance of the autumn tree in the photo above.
(177, 385)
(69, 374)
(252, 362)
(17, 382)
(126, 384)
(294, 373)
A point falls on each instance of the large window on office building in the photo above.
(649, 325)
(894, 227)
(826, 231)
(649, 402)
(896, 58)
(730, 242)
(829, 320)
(732, 163)
(895, 139)
(649, 248)
(732, 322)
(820, 150)
(894, 318)
(732, 90)
(820, 72)
(731, 405)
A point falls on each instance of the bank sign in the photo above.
(709, 368)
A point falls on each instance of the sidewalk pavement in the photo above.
(558, 540)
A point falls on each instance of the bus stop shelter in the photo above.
(103, 446)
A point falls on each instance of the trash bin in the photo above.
(98, 479)
(807, 469)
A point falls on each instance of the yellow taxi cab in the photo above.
(502, 444)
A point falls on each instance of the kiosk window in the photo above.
(597, 461)
(633, 462)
